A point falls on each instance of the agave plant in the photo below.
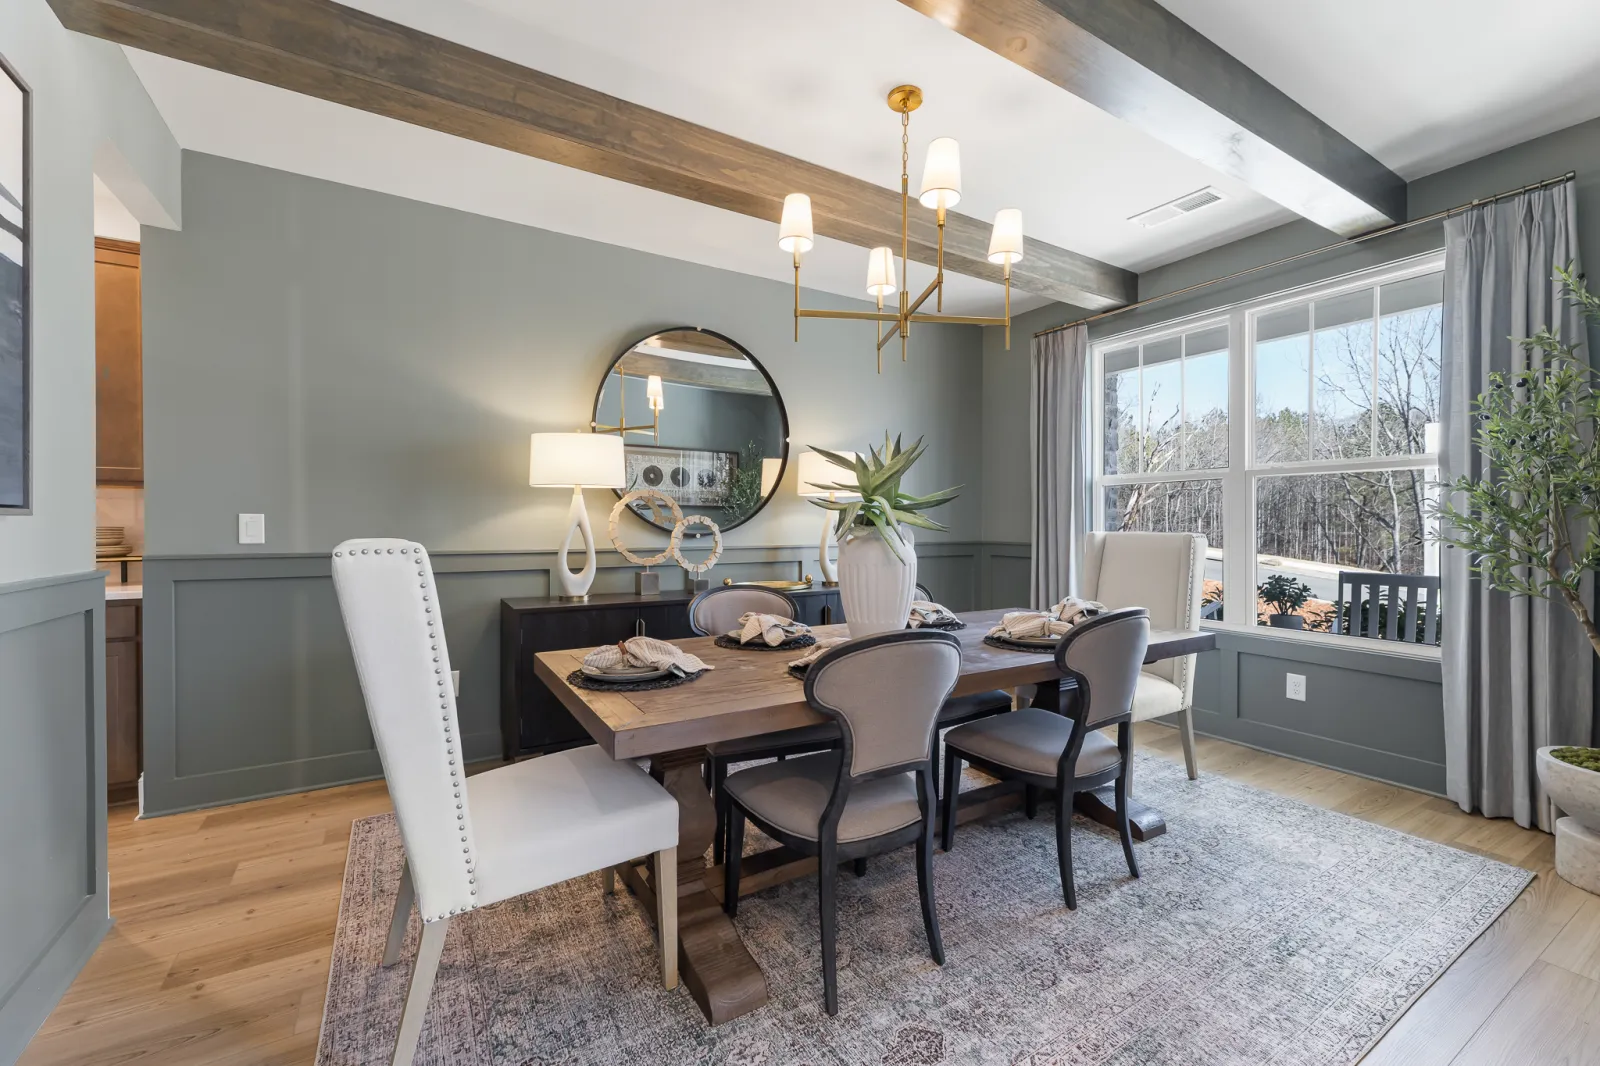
(882, 506)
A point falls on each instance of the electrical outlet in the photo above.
(1295, 687)
(252, 529)
(455, 682)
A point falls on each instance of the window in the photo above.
(1331, 474)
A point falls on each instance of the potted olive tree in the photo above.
(1287, 595)
(877, 551)
(1532, 528)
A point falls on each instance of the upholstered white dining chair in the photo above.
(473, 841)
(1164, 574)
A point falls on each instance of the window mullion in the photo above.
(1238, 517)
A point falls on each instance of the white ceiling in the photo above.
(809, 80)
(1420, 84)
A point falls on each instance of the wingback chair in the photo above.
(1164, 574)
(473, 841)
(872, 795)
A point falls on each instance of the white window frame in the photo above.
(1239, 477)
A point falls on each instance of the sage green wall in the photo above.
(355, 364)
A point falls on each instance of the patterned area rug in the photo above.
(1262, 931)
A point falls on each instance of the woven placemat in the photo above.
(946, 627)
(799, 671)
(804, 640)
(1011, 645)
(579, 679)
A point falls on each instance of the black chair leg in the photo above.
(828, 910)
(859, 867)
(717, 769)
(1064, 850)
(930, 916)
(1030, 801)
(1125, 743)
(730, 871)
(952, 787)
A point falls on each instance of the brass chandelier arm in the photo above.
(869, 316)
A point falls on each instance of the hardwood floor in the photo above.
(225, 924)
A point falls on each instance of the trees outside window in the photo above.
(1333, 470)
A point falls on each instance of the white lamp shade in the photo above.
(816, 473)
(794, 230)
(941, 175)
(771, 469)
(1005, 243)
(652, 391)
(585, 460)
(880, 272)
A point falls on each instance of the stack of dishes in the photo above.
(110, 542)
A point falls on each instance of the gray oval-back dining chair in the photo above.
(472, 841)
(1049, 751)
(873, 794)
(717, 611)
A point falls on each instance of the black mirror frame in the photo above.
(783, 417)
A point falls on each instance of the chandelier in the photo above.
(941, 190)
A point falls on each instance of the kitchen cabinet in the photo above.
(118, 364)
(124, 700)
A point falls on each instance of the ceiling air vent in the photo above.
(1183, 205)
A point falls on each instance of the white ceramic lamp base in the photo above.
(830, 571)
(576, 586)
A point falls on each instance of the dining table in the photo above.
(749, 693)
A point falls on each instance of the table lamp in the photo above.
(816, 474)
(582, 461)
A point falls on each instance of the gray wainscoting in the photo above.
(1003, 575)
(53, 886)
(1374, 713)
(249, 688)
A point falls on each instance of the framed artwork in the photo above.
(15, 399)
(693, 477)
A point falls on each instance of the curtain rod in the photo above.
(1396, 228)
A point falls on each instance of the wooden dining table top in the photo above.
(751, 692)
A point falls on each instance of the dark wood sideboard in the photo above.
(532, 719)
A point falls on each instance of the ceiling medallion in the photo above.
(941, 190)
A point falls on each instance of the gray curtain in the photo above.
(1518, 672)
(1058, 432)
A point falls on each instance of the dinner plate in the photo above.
(626, 673)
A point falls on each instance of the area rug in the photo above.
(1263, 931)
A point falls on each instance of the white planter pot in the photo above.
(1577, 792)
(876, 588)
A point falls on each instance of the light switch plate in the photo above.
(1295, 687)
(252, 529)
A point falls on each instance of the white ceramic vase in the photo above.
(876, 587)
(1577, 792)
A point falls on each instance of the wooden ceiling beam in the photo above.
(1136, 60)
(321, 49)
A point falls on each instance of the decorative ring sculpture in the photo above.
(675, 545)
(650, 496)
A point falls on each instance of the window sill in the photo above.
(1365, 645)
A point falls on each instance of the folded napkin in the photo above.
(814, 652)
(1032, 625)
(928, 613)
(774, 629)
(643, 652)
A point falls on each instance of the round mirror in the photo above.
(701, 421)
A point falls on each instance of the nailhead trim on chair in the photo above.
(449, 739)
